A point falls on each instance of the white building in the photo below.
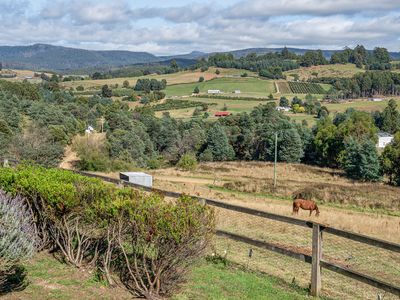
(214, 91)
(237, 91)
(376, 99)
(384, 139)
(138, 178)
(283, 108)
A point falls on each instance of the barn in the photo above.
(222, 114)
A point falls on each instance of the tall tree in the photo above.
(361, 161)
(218, 144)
(391, 117)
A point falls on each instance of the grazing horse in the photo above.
(306, 205)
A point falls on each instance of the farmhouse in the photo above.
(283, 108)
(222, 114)
(384, 139)
(214, 91)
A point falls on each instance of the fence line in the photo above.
(318, 229)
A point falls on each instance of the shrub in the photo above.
(80, 88)
(149, 241)
(201, 79)
(187, 162)
(159, 240)
(17, 233)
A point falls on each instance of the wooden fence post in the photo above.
(316, 260)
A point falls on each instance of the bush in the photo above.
(17, 233)
(201, 79)
(147, 240)
(80, 88)
(159, 240)
(187, 162)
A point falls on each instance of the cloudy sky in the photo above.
(181, 26)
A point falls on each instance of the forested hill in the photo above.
(63, 59)
(48, 57)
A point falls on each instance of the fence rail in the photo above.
(316, 259)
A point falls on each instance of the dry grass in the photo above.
(249, 184)
(347, 70)
(175, 78)
(360, 207)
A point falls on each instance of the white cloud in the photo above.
(101, 24)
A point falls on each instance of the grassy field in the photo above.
(175, 78)
(370, 209)
(47, 278)
(249, 87)
(234, 106)
(360, 104)
(347, 70)
(216, 281)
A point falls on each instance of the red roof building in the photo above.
(222, 113)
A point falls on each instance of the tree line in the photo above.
(38, 129)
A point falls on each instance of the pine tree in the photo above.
(391, 118)
(361, 161)
(218, 144)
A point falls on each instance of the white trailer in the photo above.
(139, 178)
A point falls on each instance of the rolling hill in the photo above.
(63, 59)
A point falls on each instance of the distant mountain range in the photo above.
(64, 59)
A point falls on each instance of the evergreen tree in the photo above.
(361, 160)
(106, 92)
(391, 117)
(218, 144)
(284, 102)
(390, 160)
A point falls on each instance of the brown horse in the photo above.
(306, 205)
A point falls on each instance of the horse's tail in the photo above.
(317, 210)
(294, 206)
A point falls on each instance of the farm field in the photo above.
(360, 104)
(249, 87)
(234, 106)
(301, 88)
(175, 78)
(304, 73)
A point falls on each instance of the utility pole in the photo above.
(276, 157)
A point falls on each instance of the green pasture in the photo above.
(249, 87)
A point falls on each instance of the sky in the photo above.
(165, 27)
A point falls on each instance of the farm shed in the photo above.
(237, 91)
(139, 178)
(214, 91)
(384, 139)
(222, 113)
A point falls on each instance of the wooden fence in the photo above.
(315, 259)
